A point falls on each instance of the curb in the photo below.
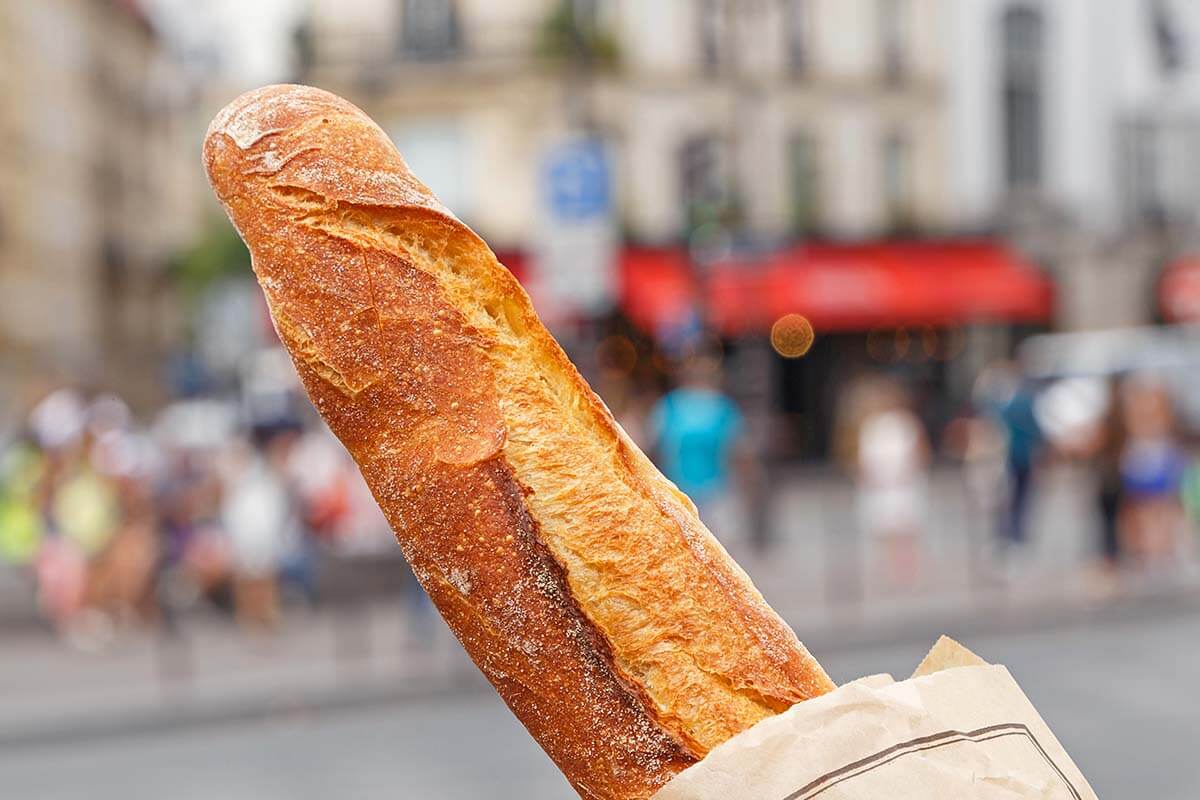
(838, 635)
(194, 715)
(1001, 619)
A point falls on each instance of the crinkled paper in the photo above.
(959, 729)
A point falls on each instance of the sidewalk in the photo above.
(819, 576)
(324, 661)
(213, 672)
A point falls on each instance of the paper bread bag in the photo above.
(959, 729)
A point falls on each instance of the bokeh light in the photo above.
(929, 342)
(617, 354)
(792, 335)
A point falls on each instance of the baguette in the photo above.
(579, 580)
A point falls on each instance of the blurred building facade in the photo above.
(779, 117)
(761, 125)
(763, 158)
(1073, 126)
(85, 222)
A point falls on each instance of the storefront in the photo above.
(927, 315)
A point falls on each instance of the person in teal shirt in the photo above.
(694, 431)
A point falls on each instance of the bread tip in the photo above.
(270, 109)
(256, 114)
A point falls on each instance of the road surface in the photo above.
(1121, 695)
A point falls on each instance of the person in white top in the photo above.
(258, 516)
(892, 488)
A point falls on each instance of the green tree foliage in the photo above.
(217, 254)
(571, 36)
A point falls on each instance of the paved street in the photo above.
(1120, 693)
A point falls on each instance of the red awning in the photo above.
(860, 287)
(837, 287)
(1179, 291)
(657, 290)
(516, 262)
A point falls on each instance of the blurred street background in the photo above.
(905, 294)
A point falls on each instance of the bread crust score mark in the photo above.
(578, 578)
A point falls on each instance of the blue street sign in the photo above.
(575, 181)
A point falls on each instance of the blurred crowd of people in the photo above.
(113, 522)
(236, 503)
(1120, 433)
(1122, 429)
(1125, 428)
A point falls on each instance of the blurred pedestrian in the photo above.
(1024, 439)
(193, 552)
(1109, 447)
(121, 575)
(695, 431)
(258, 514)
(314, 468)
(80, 515)
(22, 470)
(892, 488)
(1152, 469)
(1004, 393)
(120, 578)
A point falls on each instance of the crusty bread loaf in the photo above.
(579, 579)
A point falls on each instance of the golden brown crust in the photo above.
(578, 578)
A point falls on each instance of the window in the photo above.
(804, 183)
(1021, 87)
(712, 29)
(436, 150)
(702, 178)
(586, 14)
(797, 23)
(1139, 165)
(891, 39)
(897, 179)
(429, 29)
(1167, 42)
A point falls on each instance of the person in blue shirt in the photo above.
(694, 431)
(1024, 446)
